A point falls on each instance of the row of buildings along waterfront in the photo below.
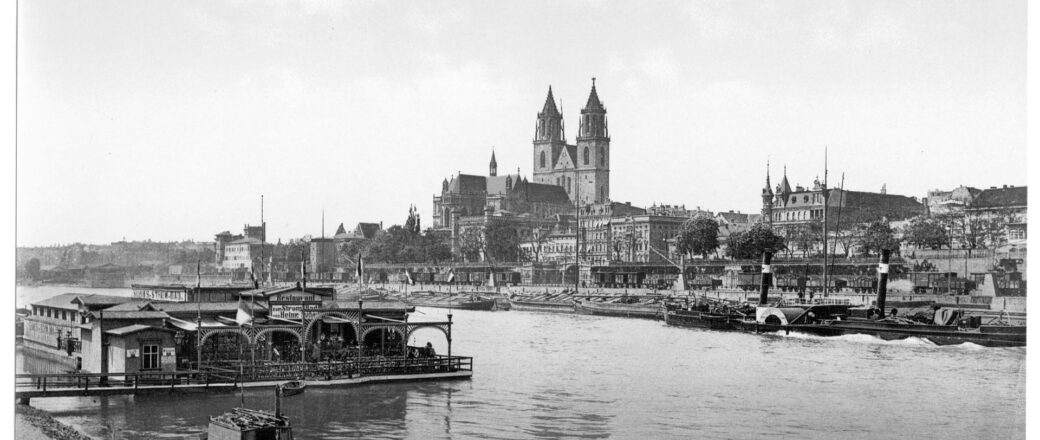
(564, 212)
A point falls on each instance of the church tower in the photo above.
(548, 141)
(593, 152)
(493, 166)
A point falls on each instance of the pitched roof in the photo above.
(134, 328)
(494, 163)
(144, 314)
(549, 109)
(785, 186)
(340, 230)
(1001, 198)
(467, 184)
(63, 301)
(368, 230)
(734, 217)
(100, 300)
(134, 305)
(497, 184)
(593, 103)
(542, 193)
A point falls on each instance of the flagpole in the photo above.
(198, 316)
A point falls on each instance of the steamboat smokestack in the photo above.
(882, 280)
(767, 277)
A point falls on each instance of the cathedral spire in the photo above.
(593, 102)
(549, 109)
(593, 117)
(494, 164)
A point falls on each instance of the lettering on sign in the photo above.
(295, 310)
(169, 351)
(161, 294)
(132, 352)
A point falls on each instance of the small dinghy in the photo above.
(293, 388)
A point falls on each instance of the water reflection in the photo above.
(552, 376)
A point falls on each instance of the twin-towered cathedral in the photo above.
(565, 175)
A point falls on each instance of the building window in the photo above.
(150, 357)
(586, 155)
(542, 161)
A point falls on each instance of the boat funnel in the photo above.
(767, 277)
(882, 280)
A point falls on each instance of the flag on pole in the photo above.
(198, 273)
(451, 276)
(491, 279)
(252, 277)
(243, 316)
(303, 273)
(409, 276)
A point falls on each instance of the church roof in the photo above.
(593, 102)
(493, 162)
(549, 109)
(497, 184)
(340, 230)
(467, 184)
(542, 193)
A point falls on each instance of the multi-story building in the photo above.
(789, 209)
(597, 243)
(1010, 204)
(643, 238)
(677, 211)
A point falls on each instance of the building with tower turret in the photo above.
(788, 208)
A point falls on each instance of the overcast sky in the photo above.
(168, 119)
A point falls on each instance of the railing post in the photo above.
(45, 384)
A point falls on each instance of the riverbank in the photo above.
(35, 424)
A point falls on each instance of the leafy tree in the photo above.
(698, 236)
(502, 242)
(471, 244)
(806, 236)
(752, 243)
(32, 268)
(537, 240)
(875, 236)
(926, 233)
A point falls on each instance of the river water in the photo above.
(542, 375)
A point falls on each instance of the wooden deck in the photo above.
(28, 386)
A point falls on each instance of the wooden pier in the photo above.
(28, 386)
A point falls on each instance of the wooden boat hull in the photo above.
(293, 388)
(543, 306)
(697, 319)
(486, 305)
(620, 310)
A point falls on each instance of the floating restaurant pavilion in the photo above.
(263, 329)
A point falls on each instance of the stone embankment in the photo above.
(35, 424)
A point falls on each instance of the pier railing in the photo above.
(88, 381)
(265, 371)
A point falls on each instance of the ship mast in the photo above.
(825, 197)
